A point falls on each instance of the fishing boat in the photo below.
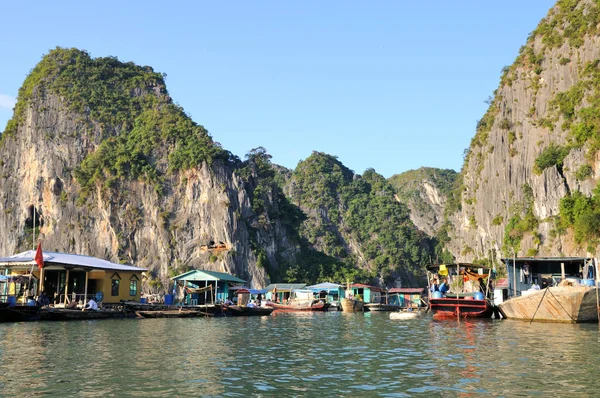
(296, 307)
(381, 307)
(464, 299)
(551, 289)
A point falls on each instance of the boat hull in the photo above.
(298, 307)
(381, 307)
(352, 305)
(19, 313)
(236, 310)
(460, 308)
(566, 304)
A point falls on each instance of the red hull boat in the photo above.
(449, 307)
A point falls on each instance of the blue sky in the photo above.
(392, 85)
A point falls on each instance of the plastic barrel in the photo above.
(144, 300)
(478, 296)
(587, 282)
(436, 295)
(168, 299)
(12, 300)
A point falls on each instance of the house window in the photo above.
(133, 288)
(115, 287)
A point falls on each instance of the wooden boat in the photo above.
(173, 314)
(462, 301)
(460, 306)
(570, 304)
(66, 314)
(299, 307)
(19, 313)
(236, 310)
(403, 315)
(352, 305)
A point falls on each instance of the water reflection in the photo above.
(298, 354)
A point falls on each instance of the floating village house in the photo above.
(67, 277)
(534, 273)
(205, 287)
(329, 292)
(369, 294)
(406, 296)
(281, 292)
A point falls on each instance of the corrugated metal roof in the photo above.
(546, 259)
(285, 287)
(202, 275)
(50, 258)
(363, 286)
(409, 290)
(325, 286)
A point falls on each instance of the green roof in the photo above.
(201, 275)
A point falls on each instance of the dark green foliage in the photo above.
(553, 155)
(522, 222)
(582, 213)
(370, 216)
(584, 172)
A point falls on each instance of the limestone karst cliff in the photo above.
(529, 179)
(102, 162)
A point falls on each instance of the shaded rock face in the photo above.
(425, 192)
(200, 222)
(499, 173)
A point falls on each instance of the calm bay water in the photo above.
(298, 355)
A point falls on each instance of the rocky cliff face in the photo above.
(201, 216)
(425, 191)
(536, 149)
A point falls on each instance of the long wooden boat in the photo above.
(173, 314)
(352, 305)
(66, 314)
(460, 307)
(381, 307)
(296, 307)
(19, 313)
(569, 304)
(236, 310)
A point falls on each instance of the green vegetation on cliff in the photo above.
(139, 125)
(357, 220)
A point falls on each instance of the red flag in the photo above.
(39, 257)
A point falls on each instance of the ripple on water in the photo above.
(298, 354)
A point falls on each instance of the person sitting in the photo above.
(434, 286)
(444, 286)
(228, 302)
(251, 304)
(43, 300)
(91, 305)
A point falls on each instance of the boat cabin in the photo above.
(67, 278)
(529, 274)
(244, 294)
(199, 287)
(464, 279)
